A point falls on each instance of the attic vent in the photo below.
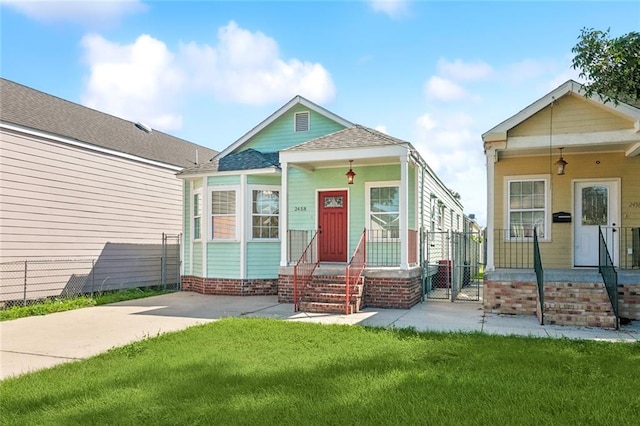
(143, 127)
(302, 121)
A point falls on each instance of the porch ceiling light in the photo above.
(561, 164)
(350, 174)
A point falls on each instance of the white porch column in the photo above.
(491, 155)
(284, 206)
(403, 199)
(245, 211)
(205, 222)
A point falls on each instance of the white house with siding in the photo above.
(79, 183)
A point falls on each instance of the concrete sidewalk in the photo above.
(33, 343)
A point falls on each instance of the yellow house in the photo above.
(566, 168)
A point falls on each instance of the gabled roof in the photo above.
(249, 159)
(499, 132)
(38, 111)
(280, 112)
(352, 137)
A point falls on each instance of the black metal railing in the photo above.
(384, 247)
(609, 274)
(537, 266)
(623, 243)
(512, 251)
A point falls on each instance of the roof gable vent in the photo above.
(301, 121)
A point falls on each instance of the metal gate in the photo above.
(452, 266)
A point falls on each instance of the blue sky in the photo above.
(437, 74)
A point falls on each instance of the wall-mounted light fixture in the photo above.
(561, 164)
(350, 174)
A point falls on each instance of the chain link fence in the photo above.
(30, 281)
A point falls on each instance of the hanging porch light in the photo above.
(350, 174)
(561, 164)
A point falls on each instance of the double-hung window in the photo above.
(265, 214)
(384, 211)
(197, 215)
(223, 214)
(527, 205)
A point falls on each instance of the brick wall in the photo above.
(629, 301)
(510, 297)
(285, 288)
(392, 293)
(230, 287)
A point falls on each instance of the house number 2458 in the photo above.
(299, 209)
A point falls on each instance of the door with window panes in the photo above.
(596, 205)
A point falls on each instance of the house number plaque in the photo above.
(635, 205)
(299, 208)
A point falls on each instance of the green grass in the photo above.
(265, 372)
(49, 306)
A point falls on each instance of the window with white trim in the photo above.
(223, 214)
(383, 207)
(265, 214)
(441, 215)
(301, 121)
(527, 205)
(197, 215)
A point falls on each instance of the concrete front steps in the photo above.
(327, 294)
(578, 304)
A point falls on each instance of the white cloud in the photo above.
(451, 146)
(392, 8)
(442, 89)
(85, 13)
(246, 67)
(145, 81)
(138, 82)
(464, 71)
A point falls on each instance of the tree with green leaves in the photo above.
(611, 66)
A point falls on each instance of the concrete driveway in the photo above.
(33, 343)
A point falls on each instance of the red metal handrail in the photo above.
(355, 267)
(303, 271)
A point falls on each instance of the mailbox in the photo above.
(561, 217)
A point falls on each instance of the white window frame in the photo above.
(194, 216)
(250, 214)
(440, 218)
(236, 214)
(547, 205)
(295, 121)
(383, 184)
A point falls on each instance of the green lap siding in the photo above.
(197, 260)
(223, 260)
(303, 187)
(280, 134)
(223, 180)
(264, 180)
(263, 259)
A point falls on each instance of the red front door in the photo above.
(332, 214)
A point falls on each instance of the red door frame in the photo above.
(333, 222)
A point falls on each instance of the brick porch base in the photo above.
(229, 286)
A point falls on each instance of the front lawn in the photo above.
(271, 372)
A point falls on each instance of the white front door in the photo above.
(596, 204)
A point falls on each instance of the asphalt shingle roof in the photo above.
(249, 159)
(27, 107)
(352, 137)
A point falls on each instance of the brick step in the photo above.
(329, 297)
(581, 320)
(585, 307)
(327, 308)
(332, 287)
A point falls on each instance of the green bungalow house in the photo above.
(307, 200)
